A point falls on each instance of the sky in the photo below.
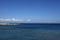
(40, 11)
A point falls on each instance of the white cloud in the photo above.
(28, 20)
(14, 20)
(10, 20)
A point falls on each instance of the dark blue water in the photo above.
(31, 31)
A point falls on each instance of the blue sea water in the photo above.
(31, 31)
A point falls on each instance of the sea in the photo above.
(31, 31)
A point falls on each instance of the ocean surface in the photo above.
(31, 31)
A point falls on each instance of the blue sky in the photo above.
(36, 10)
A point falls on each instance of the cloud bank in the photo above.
(13, 20)
(10, 20)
